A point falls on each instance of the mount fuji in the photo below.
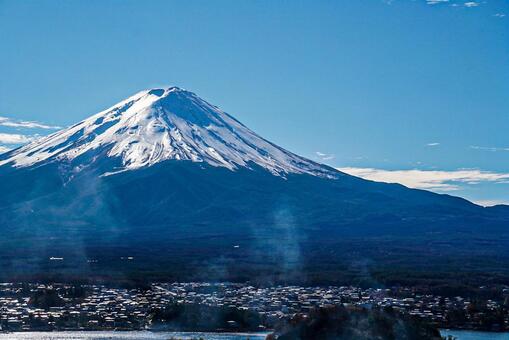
(159, 125)
(164, 185)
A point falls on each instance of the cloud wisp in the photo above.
(471, 4)
(489, 148)
(15, 138)
(324, 156)
(428, 179)
(454, 3)
(436, 2)
(8, 122)
(490, 203)
(7, 140)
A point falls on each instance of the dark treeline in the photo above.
(349, 323)
(192, 317)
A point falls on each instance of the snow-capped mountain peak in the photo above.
(158, 125)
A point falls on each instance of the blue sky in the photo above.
(401, 90)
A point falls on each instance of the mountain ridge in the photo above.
(83, 194)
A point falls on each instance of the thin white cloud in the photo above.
(324, 156)
(489, 148)
(14, 138)
(4, 121)
(433, 144)
(490, 203)
(499, 15)
(471, 4)
(436, 2)
(428, 179)
(3, 149)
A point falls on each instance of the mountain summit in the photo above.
(163, 124)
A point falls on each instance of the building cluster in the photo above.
(96, 307)
(101, 308)
(282, 301)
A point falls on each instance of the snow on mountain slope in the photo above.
(163, 124)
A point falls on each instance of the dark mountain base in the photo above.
(181, 221)
(450, 265)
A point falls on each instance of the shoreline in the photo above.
(131, 335)
(138, 331)
(210, 331)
